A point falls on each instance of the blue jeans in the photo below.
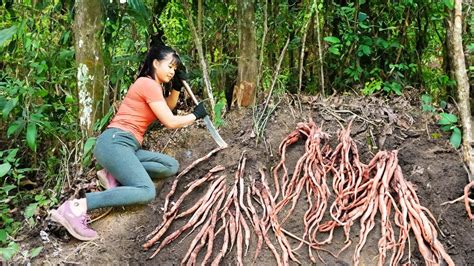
(120, 153)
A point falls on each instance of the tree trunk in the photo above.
(244, 91)
(460, 74)
(90, 65)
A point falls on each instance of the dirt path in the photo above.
(427, 161)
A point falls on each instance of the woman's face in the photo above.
(164, 69)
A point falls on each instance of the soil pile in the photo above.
(424, 154)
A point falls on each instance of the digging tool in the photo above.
(210, 127)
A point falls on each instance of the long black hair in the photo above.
(158, 50)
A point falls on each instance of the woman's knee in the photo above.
(174, 166)
(148, 194)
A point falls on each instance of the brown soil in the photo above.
(429, 162)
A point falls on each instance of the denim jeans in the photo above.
(120, 153)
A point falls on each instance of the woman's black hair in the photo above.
(158, 50)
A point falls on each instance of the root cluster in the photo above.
(338, 190)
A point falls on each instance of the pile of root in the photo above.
(338, 190)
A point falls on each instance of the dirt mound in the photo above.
(428, 162)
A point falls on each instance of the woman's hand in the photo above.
(200, 111)
(179, 75)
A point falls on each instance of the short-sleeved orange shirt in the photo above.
(134, 114)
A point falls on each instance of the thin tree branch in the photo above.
(198, 43)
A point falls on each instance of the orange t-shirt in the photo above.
(134, 114)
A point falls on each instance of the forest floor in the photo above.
(424, 152)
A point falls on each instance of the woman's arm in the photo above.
(163, 112)
(172, 99)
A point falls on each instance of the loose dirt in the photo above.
(425, 156)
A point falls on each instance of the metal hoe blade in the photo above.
(215, 135)
(210, 127)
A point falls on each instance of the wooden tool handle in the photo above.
(190, 92)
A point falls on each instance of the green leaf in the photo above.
(456, 137)
(35, 252)
(15, 127)
(427, 108)
(446, 128)
(4, 168)
(449, 4)
(334, 50)
(7, 188)
(31, 136)
(69, 99)
(364, 26)
(139, 11)
(332, 40)
(397, 88)
(6, 34)
(10, 251)
(30, 210)
(426, 99)
(365, 49)
(443, 104)
(3, 235)
(362, 16)
(9, 107)
(3, 101)
(89, 145)
(470, 47)
(381, 43)
(12, 155)
(447, 119)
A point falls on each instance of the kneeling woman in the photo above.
(118, 148)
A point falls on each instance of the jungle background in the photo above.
(65, 66)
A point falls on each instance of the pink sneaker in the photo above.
(106, 179)
(75, 223)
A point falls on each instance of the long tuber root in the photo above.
(358, 192)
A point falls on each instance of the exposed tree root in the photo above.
(467, 188)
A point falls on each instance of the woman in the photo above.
(118, 148)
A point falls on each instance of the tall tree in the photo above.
(460, 74)
(90, 65)
(244, 90)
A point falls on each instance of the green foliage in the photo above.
(125, 45)
(437, 83)
(384, 46)
(392, 87)
(335, 45)
(87, 153)
(219, 35)
(38, 112)
(12, 196)
(372, 87)
(138, 10)
(177, 32)
(427, 103)
(12, 174)
(6, 34)
(30, 254)
(448, 123)
(219, 110)
(8, 252)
